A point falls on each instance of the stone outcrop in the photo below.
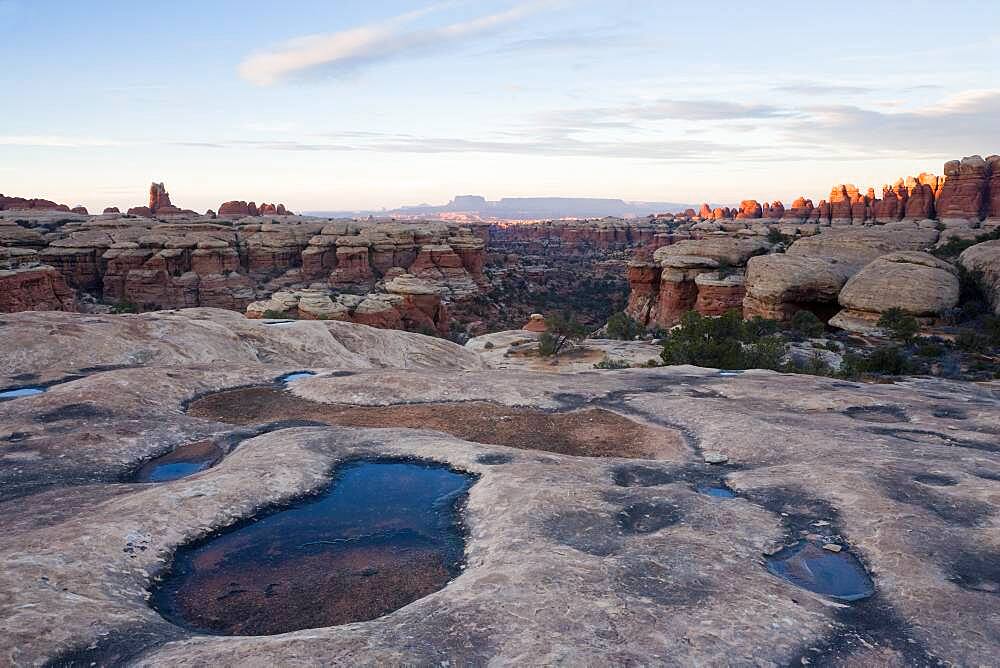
(241, 209)
(983, 261)
(33, 204)
(159, 204)
(778, 286)
(34, 287)
(963, 195)
(407, 303)
(664, 289)
(536, 324)
(917, 283)
(859, 246)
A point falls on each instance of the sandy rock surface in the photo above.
(573, 560)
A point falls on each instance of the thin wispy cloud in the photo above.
(55, 141)
(819, 89)
(394, 38)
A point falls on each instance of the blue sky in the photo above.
(326, 104)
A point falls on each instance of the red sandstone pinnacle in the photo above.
(964, 192)
(159, 198)
(750, 209)
(111, 209)
(706, 211)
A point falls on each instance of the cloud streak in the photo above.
(394, 38)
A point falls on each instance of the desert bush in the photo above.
(898, 325)
(608, 363)
(271, 314)
(621, 326)
(726, 342)
(884, 360)
(124, 306)
(559, 331)
(807, 324)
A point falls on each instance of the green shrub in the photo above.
(559, 331)
(124, 306)
(833, 346)
(929, 349)
(898, 325)
(608, 363)
(885, 360)
(955, 246)
(814, 366)
(271, 314)
(756, 327)
(488, 345)
(621, 326)
(973, 342)
(774, 236)
(723, 343)
(807, 324)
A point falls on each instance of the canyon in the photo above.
(452, 279)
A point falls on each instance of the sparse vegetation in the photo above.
(899, 325)
(886, 360)
(954, 247)
(725, 342)
(274, 315)
(621, 326)
(807, 324)
(612, 364)
(124, 306)
(560, 330)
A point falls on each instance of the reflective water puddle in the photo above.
(381, 536)
(839, 575)
(182, 462)
(21, 392)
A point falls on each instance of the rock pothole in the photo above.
(383, 534)
(591, 432)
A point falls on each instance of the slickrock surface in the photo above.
(569, 559)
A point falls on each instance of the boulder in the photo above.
(983, 260)
(778, 286)
(918, 283)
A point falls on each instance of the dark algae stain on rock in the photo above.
(384, 534)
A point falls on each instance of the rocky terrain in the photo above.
(674, 515)
(162, 257)
(848, 260)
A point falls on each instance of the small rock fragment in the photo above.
(715, 458)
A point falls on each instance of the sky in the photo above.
(354, 104)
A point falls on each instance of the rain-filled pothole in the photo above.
(180, 463)
(591, 432)
(835, 573)
(298, 375)
(17, 393)
(382, 535)
(716, 491)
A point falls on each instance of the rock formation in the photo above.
(917, 283)
(34, 288)
(778, 286)
(407, 303)
(21, 203)
(983, 261)
(241, 209)
(664, 289)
